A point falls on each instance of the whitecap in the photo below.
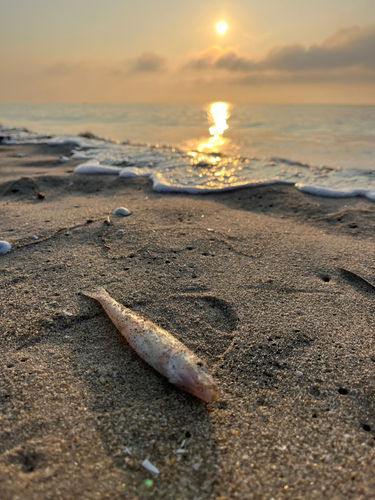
(135, 172)
(336, 193)
(93, 168)
(80, 155)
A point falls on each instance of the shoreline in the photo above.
(271, 170)
(252, 280)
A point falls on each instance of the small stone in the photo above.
(146, 464)
(4, 247)
(41, 196)
(196, 467)
(121, 211)
(63, 159)
(48, 472)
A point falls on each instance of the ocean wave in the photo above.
(174, 170)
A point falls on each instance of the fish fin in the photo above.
(95, 293)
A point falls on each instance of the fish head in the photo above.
(191, 375)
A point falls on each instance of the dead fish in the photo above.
(159, 349)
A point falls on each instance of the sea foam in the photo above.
(173, 170)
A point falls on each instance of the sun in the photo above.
(221, 28)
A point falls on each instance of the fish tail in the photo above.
(95, 293)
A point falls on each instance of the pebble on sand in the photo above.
(121, 211)
(63, 159)
(4, 247)
(148, 466)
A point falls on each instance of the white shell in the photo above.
(4, 247)
(121, 211)
(148, 465)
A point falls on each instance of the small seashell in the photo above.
(121, 211)
(63, 159)
(66, 313)
(4, 247)
(180, 451)
(35, 237)
(196, 467)
(148, 466)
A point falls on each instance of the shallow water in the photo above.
(327, 150)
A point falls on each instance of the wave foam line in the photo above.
(161, 185)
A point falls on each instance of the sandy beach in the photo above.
(273, 288)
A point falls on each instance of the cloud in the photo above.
(346, 48)
(64, 68)
(149, 62)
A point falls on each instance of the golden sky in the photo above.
(117, 51)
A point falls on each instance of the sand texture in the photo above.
(274, 289)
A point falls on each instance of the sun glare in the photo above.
(221, 28)
(218, 115)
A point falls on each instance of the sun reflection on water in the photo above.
(210, 164)
(218, 115)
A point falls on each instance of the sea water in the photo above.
(324, 150)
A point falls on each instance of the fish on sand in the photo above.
(159, 348)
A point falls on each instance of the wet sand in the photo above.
(272, 287)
